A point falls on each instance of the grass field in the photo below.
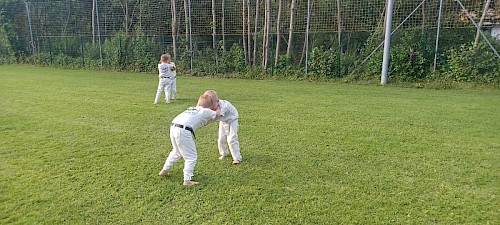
(85, 147)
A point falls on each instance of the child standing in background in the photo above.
(173, 76)
(228, 128)
(167, 76)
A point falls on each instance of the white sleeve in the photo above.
(224, 107)
(209, 113)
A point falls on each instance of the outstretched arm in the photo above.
(217, 116)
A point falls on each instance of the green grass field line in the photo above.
(85, 147)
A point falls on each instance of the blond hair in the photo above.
(205, 101)
(212, 94)
(164, 58)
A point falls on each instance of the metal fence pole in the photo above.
(190, 38)
(382, 42)
(437, 35)
(83, 51)
(387, 43)
(50, 51)
(339, 21)
(93, 20)
(120, 60)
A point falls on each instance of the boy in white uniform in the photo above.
(228, 128)
(182, 136)
(173, 77)
(167, 75)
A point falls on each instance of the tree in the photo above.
(223, 20)
(255, 33)
(248, 30)
(243, 19)
(265, 39)
(186, 23)
(278, 34)
(339, 18)
(214, 41)
(290, 29)
(174, 27)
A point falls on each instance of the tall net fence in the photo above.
(153, 17)
(117, 33)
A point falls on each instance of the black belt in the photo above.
(184, 127)
(165, 77)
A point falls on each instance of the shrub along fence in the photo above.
(314, 40)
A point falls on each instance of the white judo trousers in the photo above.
(183, 147)
(174, 88)
(228, 138)
(165, 84)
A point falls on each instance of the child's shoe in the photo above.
(163, 173)
(236, 162)
(190, 183)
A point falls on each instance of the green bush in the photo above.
(407, 64)
(347, 62)
(410, 58)
(370, 70)
(205, 67)
(145, 53)
(70, 46)
(91, 51)
(43, 59)
(255, 73)
(233, 60)
(285, 69)
(322, 63)
(7, 53)
(469, 64)
(116, 51)
(204, 63)
(65, 61)
(92, 63)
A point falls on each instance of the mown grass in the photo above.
(85, 147)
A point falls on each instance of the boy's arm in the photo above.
(217, 116)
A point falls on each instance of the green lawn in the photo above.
(85, 147)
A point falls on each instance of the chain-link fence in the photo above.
(223, 36)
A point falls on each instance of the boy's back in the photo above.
(195, 117)
(164, 69)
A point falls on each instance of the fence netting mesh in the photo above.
(40, 24)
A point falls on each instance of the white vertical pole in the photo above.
(437, 35)
(93, 21)
(190, 38)
(307, 32)
(387, 43)
(339, 29)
